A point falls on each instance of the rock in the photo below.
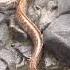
(42, 12)
(3, 66)
(34, 11)
(18, 57)
(32, 15)
(17, 33)
(13, 58)
(41, 3)
(7, 4)
(4, 35)
(57, 38)
(24, 49)
(9, 58)
(63, 6)
(2, 17)
(46, 17)
(49, 61)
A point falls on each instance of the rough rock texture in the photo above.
(25, 50)
(8, 57)
(3, 66)
(63, 6)
(4, 35)
(42, 13)
(7, 4)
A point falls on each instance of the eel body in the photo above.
(32, 30)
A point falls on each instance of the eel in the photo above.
(32, 30)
